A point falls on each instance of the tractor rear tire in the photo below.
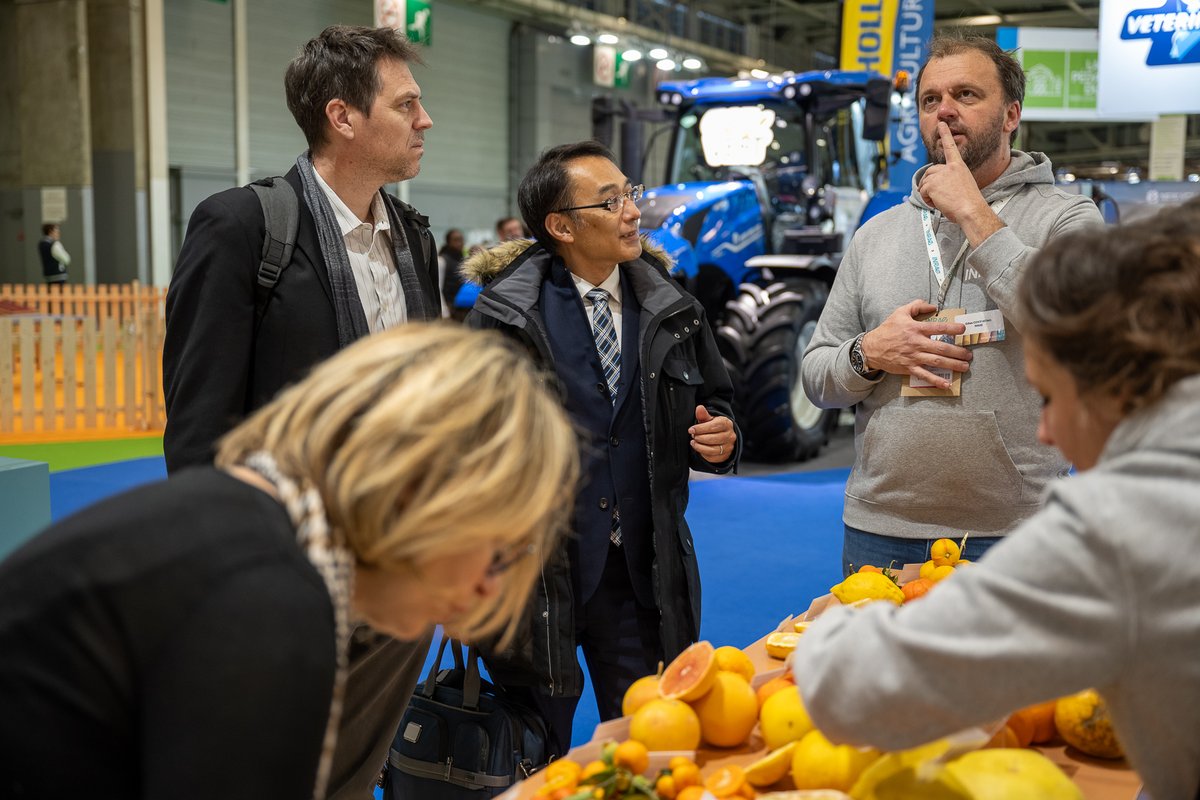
(762, 336)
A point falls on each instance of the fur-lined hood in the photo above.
(481, 267)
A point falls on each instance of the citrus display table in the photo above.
(1096, 778)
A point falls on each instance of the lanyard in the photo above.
(935, 254)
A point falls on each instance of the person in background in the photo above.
(944, 436)
(55, 258)
(188, 639)
(364, 262)
(1098, 589)
(509, 229)
(641, 377)
(450, 257)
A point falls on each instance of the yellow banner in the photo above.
(869, 34)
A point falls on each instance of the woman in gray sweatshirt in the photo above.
(1102, 587)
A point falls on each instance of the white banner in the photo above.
(1150, 56)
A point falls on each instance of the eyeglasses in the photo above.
(613, 203)
(506, 558)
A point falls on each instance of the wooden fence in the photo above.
(86, 358)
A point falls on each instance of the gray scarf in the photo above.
(351, 322)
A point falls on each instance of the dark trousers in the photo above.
(621, 643)
(383, 673)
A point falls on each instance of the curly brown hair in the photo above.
(1119, 307)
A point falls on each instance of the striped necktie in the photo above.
(610, 358)
(606, 340)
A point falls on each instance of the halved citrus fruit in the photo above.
(690, 675)
(772, 767)
(780, 644)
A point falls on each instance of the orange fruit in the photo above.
(774, 685)
(679, 761)
(563, 766)
(554, 783)
(914, 589)
(1006, 737)
(685, 775)
(728, 712)
(1022, 728)
(783, 719)
(944, 553)
(633, 755)
(690, 675)
(638, 694)
(726, 781)
(1041, 719)
(731, 659)
(666, 725)
(691, 793)
(592, 768)
(664, 787)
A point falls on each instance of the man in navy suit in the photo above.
(642, 379)
(363, 262)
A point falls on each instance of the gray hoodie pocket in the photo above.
(924, 457)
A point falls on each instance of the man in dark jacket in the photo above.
(363, 262)
(642, 380)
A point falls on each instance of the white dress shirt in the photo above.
(612, 285)
(369, 248)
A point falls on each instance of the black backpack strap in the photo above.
(420, 221)
(281, 221)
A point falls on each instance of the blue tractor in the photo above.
(766, 181)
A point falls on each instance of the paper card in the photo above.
(917, 387)
(983, 327)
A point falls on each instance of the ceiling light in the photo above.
(580, 39)
(631, 55)
(692, 63)
(608, 38)
(760, 74)
(666, 64)
(659, 53)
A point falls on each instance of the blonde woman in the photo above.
(188, 639)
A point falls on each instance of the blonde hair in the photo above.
(426, 441)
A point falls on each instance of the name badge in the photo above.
(919, 387)
(983, 327)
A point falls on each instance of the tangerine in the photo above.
(728, 712)
(563, 766)
(664, 787)
(1005, 739)
(1022, 728)
(632, 755)
(774, 685)
(1041, 718)
(691, 793)
(914, 589)
(690, 675)
(927, 569)
(685, 775)
(666, 725)
(726, 781)
(679, 761)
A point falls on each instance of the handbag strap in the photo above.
(472, 680)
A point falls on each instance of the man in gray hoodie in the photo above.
(945, 423)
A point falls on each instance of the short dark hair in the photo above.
(48, 228)
(342, 62)
(546, 186)
(1119, 307)
(1008, 69)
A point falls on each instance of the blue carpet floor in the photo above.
(767, 545)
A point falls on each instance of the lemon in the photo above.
(945, 553)
(783, 718)
(1083, 722)
(818, 763)
(867, 586)
(781, 643)
(927, 569)
(1018, 772)
(941, 573)
(772, 767)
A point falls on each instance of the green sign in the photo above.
(418, 21)
(1083, 72)
(1058, 79)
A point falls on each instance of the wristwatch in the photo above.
(858, 361)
